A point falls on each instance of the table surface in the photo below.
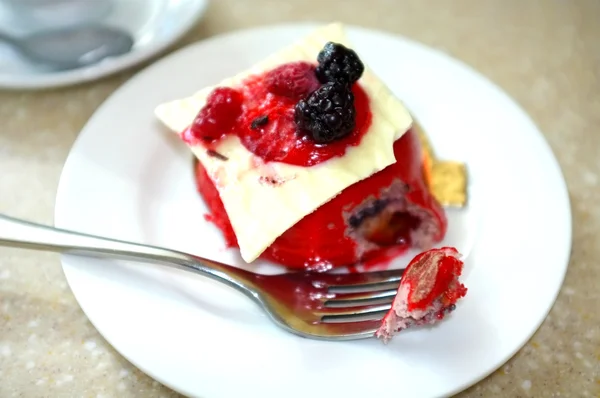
(545, 54)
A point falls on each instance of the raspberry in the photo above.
(338, 63)
(294, 80)
(328, 113)
(223, 106)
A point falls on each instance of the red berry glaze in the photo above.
(217, 215)
(219, 114)
(293, 80)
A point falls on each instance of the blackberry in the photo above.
(328, 113)
(338, 63)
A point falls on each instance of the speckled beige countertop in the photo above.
(546, 54)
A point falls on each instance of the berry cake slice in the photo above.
(308, 159)
(428, 291)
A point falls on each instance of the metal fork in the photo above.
(315, 305)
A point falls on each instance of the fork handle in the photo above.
(28, 235)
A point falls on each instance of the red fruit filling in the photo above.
(429, 290)
(276, 138)
(392, 209)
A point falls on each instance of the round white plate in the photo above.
(128, 178)
(154, 25)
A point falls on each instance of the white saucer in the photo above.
(127, 178)
(154, 24)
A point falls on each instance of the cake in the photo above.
(308, 159)
(429, 290)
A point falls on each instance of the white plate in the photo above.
(126, 177)
(154, 24)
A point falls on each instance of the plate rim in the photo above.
(109, 67)
(389, 35)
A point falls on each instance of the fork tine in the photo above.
(363, 282)
(387, 284)
(362, 278)
(361, 299)
(351, 331)
(356, 315)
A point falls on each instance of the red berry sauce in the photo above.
(270, 99)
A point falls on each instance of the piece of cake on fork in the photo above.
(429, 290)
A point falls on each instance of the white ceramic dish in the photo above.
(154, 24)
(127, 178)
